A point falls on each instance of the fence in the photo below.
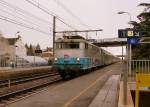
(21, 62)
(17, 62)
(141, 66)
(3, 61)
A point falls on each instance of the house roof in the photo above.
(12, 41)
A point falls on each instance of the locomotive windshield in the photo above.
(74, 45)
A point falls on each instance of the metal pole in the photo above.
(122, 53)
(130, 48)
(8, 83)
(130, 58)
(54, 32)
(125, 79)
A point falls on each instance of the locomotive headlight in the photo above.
(55, 59)
(78, 59)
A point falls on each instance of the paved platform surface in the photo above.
(121, 97)
(78, 92)
(108, 94)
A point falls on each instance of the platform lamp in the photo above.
(128, 56)
(122, 12)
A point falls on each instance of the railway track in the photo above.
(19, 80)
(25, 85)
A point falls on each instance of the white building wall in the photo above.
(4, 46)
(5, 53)
(20, 48)
(12, 51)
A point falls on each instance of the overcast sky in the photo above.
(98, 14)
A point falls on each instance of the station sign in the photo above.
(122, 33)
(133, 40)
(127, 33)
(130, 33)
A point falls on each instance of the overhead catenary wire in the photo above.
(44, 9)
(26, 13)
(22, 12)
(71, 13)
(22, 24)
(18, 17)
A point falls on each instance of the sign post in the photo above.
(132, 39)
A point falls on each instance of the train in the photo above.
(74, 55)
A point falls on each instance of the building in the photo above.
(17, 49)
(14, 53)
(17, 46)
(5, 53)
(47, 54)
(10, 50)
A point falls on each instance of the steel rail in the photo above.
(26, 79)
(28, 89)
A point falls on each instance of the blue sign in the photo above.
(133, 40)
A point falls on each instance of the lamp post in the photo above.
(128, 57)
(129, 47)
(122, 12)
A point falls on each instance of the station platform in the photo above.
(130, 102)
(111, 95)
(108, 95)
(9, 69)
(5, 69)
(9, 73)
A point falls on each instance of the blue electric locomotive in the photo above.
(74, 55)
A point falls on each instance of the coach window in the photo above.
(74, 45)
(86, 46)
(58, 45)
(67, 45)
(71, 45)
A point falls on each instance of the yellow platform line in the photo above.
(82, 92)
